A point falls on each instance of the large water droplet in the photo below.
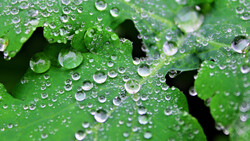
(115, 12)
(70, 58)
(80, 135)
(3, 44)
(144, 70)
(101, 115)
(87, 85)
(143, 119)
(100, 77)
(132, 86)
(80, 96)
(100, 5)
(239, 44)
(170, 48)
(40, 63)
(189, 20)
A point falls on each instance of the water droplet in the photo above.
(80, 96)
(192, 91)
(142, 110)
(115, 12)
(102, 98)
(143, 119)
(70, 58)
(100, 77)
(132, 86)
(76, 76)
(40, 63)
(239, 44)
(189, 20)
(147, 135)
(244, 69)
(87, 85)
(117, 101)
(168, 111)
(66, 2)
(100, 5)
(101, 115)
(112, 73)
(3, 44)
(80, 135)
(144, 70)
(170, 48)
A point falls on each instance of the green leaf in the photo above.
(62, 19)
(56, 107)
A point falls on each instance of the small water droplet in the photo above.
(170, 48)
(132, 86)
(244, 68)
(112, 73)
(80, 135)
(87, 85)
(168, 111)
(142, 110)
(3, 44)
(100, 77)
(40, 63)
(144, 70)
(147, 135)
(76, 76)
(70, 58)
(101, 115)
(192, 91)
(100, 5)
(143, 119)
(189, 20)
(114, 12)
(80, 96)
(102, 98)
(117, 101)
(239, 44)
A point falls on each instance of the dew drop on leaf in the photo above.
(99, 77)
(147, 135)
(66, 2)
(100, 5)
(80, 135)
(144, 70)
(189, 20)
(143, 119)
(80, 96)
(168, 111)
(112, 73)
(76, 76)
(142, 110)
(244, 68)
(70, 58)
(87, 85)
(239, 44)
(169, 48)
(102, 98)
(117, 101)
(40, 63)
(132, 86)
(101, 115)
(114, 12)
(3, 44)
